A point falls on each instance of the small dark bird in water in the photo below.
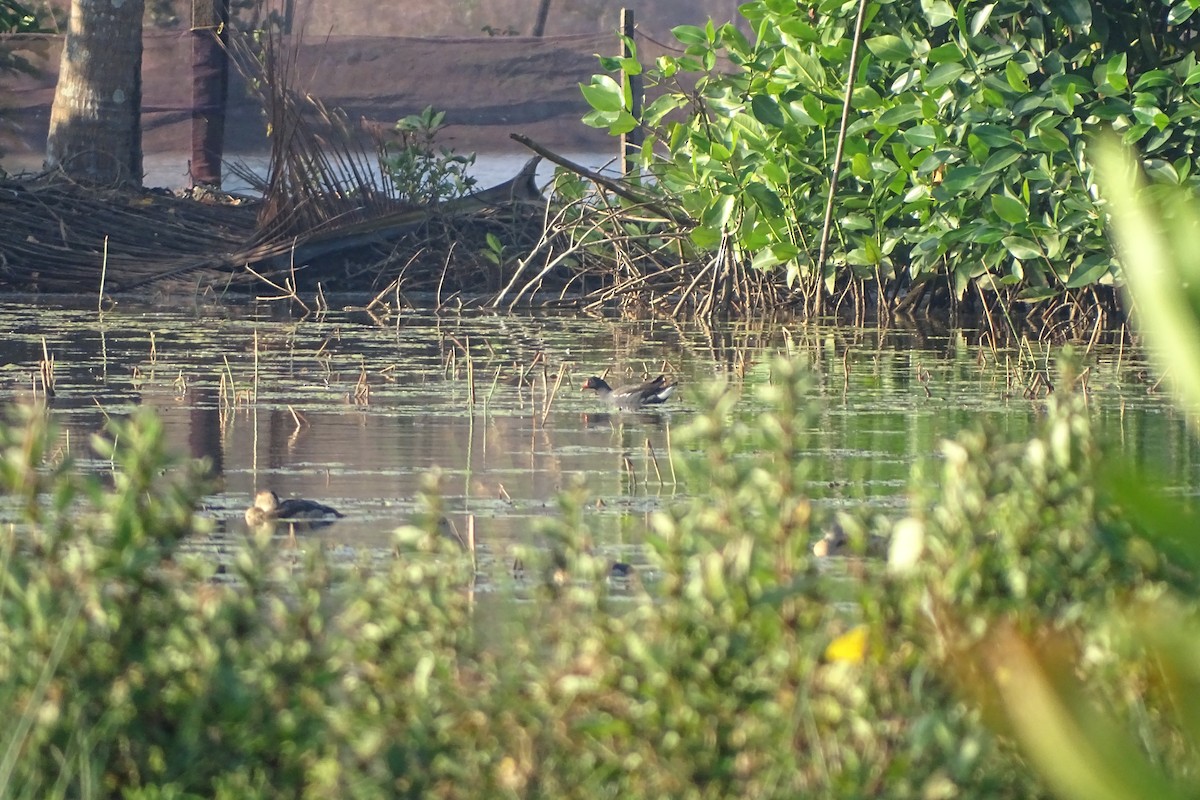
(619, 570)
(267, 507)
(650, 393)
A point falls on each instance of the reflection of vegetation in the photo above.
(966, 159)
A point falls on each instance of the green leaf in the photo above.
(706, 237)
(1000, 159)
(1036, 294)
(1180, 13)
(1050, 140)
(943, 74)
(600, 119)
(979, 19)
(765, 198)
(624, 123)
(889, 48)
(945, 54)
(937, 12)
(1077, 13)
(718, 214)
(921, 136)
(807, 69)
(898, 115)
(1021, 248)
(865, 98)
(766, 110)
(1088, 273)
(661, 106)
(860, 167)
(764, 259)
(1016, 77)
(603, 93)
(689, 35)
(1114, 72)
(1009, 209)
(961, 178)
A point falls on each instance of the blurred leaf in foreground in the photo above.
(1156, 232)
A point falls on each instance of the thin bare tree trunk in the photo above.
(543, 11)
(95, 123)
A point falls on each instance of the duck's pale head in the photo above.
(266, 501)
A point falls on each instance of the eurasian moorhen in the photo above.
(267, 507)
(649, 393)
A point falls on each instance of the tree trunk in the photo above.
(210, 89)
(95, 123)
(539, 23)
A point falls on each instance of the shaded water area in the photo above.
(354, 409)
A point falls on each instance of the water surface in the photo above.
(354, 409)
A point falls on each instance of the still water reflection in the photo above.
(354, 410)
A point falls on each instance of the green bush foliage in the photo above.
(421, 172)
(967, 155)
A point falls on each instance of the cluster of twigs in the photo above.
(59, 236)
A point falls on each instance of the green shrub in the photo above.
(967, 154)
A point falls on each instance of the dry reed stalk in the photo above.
(394, 286)
(442, 280)
(845, 372)
(470, 374)
(558, 379)
(671, 458)
(286, 292)
(471, 541)
(362, 389)
(103, 275)
(46, 371)
(492, 390)
(923, 379)
(538, 358)
(654, 462)
(254, 383)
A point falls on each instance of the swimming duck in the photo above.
(836, 542)
(267, 507)
(649, 393)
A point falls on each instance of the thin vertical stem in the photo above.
(837, 156)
